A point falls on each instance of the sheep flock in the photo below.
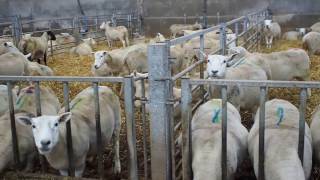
(296, 49)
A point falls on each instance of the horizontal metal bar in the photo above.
(254, 83)
(188, 69)
(62, 79)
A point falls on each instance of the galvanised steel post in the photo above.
(223, 38)
(160, 113)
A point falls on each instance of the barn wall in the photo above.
(156, 11)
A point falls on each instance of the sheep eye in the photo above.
(33, 126)
(56, 124)
(224, 61)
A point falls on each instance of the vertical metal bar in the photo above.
(38, 113)
(170, 130)
(159, 68)
(218, 17)
(15, 147)
(201, 65)
(261, 171)
(143, 112)
(205, 10)
(302, 109)
(131, 131)
(185, 18)
(98, 128)
(223, 38)
(236, 27)
(71, 169)
(224, 125)
(186, 129)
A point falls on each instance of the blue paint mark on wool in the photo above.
(280, 114)
(215, 117)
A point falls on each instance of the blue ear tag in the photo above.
(215, 117)
(280, 114)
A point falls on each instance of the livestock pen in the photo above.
(165, 159)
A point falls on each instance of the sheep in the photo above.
(16, 64)
(311, 43)
(62, 40)
(291, 35)
(178, 28)
(159, 38)
(281, 143)
(115, 33)
(296, 63)
(85, 48)
(52, 144)
(315, 27)
(24, 106)
(123, 61)
(314, 127)
(241, 97)
(206, 141)
(37, 46)
(271, 30)
(138, 89)
(4, 101)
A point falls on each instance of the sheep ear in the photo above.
(28, 55)
(65, 117)
(105, 53)
(204, 55)
(24, 120)
(135, 73)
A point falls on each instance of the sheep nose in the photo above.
(96, 66)
(45, 142)
(214, 72)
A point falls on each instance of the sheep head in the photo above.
(103, 25)
(45, 130)
(100, 58)
(267, 23)
(217, 65)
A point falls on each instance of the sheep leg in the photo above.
(115, 139)
(123, 43)
(79, 171)
(63, 172)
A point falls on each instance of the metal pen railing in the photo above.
(129, 110)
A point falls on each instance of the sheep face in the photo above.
(90, 41)
(100, 58)
(217, 65)
(302, 31)
(267, 23)
(45, 130)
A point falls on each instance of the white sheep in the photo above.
(123, 61)
(115, 33)
(315, 27)
(179, 28)
(241, 97)
(159, 38)
(37, 46)
(15, 63)
(24, 106)
(281, 143)
(311, 43)
(314, 126)
(271, 30)
(293, 64)
(50, 131)
(207, 144)
(138, 89)
(84, 48)
(291, 35)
